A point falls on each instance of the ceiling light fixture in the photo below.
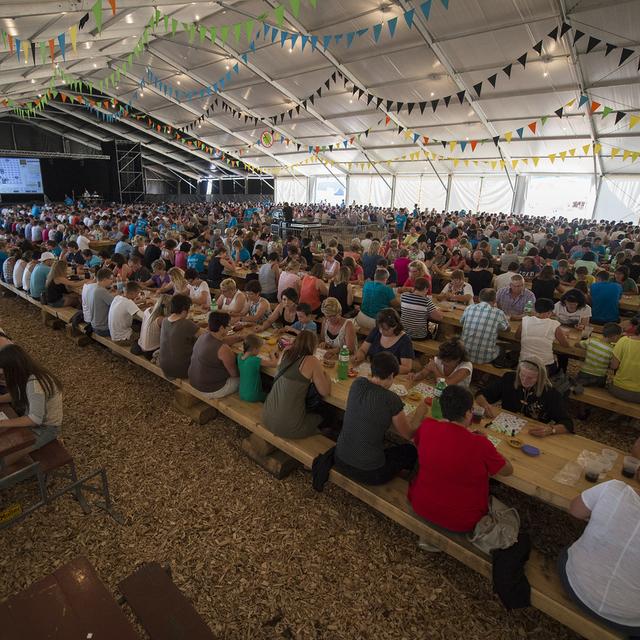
(545, 74)
(178, 82)
(95, 66)
(290, 49)
(197, 17)
(129, 18)
(33, 81)
(432, 94)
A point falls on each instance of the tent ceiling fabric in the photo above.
(472, 39)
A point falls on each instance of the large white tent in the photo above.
(556, 134)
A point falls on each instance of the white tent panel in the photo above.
(424, 190)
(370, 190)
(619, 199)
(568, 196)
(495, 194)
(291, 189)
(465, 193)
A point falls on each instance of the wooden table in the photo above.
(99, 245)
(533, 476)
(71, 603)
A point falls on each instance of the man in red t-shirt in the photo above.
(451, 488)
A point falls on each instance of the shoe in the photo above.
(423, 545)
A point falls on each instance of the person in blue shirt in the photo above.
(38, 281)
(304, 322)
(605, 299)
(401, 221)
(416, 210)
(141, 225)
(35, 210)
(123, 248)
(132, 229)
(196, 259)
(233, 221)
(68, 200)
(376, 295)
(240, 253)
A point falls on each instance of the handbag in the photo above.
(498, 529)
(313, 399)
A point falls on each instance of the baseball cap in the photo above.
(47, 255)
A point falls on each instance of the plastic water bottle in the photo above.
(343, 363)
(528, 308)
(436, 409)
(214, 304)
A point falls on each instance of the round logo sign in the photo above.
(266, 139)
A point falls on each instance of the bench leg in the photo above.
(84, 505)
(277, 463)
(200, 412)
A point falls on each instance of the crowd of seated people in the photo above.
(531, 276)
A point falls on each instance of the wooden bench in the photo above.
(161, 608)
(547, 593)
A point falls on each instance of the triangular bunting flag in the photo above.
(624, 55)
(474, 144)
(572, 152)
(565, 27)
(523, 59)
(434, 104)
(392, 26)
(97, 14)
(563, 155)
(422, 106)
(535, 160)
(425, 7)
(633, 121)
(61, 44)
(593, 42)
(532, 126)
(377, 30)
(552, 157)
(537, 47)
(606, 111)
(73, 32)
(496, 139)
(492, 80)
(586, 148)
(577, 35)
(619, 116)
(559, 112)
(583, 101)
(597, 147)
(508, 136)
(478, 88)
(520, 132)
(408, 17)
(553, 34)
(543, 120)
(446, 100)
(460, 96)
(614, 152)
(507, 70)
(609, 49)
(594, 106)
(452, 144)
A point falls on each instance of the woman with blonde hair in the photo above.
(528, 391)
(285, 409)
(289, 278)
(336, 330)
(370, 260)
(57, 288)
(149, 340)
(177, 282)
(231, 300)
(342, 290)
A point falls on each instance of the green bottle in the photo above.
(343, 363)
(436, 409)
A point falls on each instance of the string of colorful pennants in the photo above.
(23, 47)
(616, 152)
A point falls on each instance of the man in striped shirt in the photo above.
(599, 351)
(416, 309)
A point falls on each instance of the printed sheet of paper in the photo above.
(493, 440)
(399, 389)
(507, 423)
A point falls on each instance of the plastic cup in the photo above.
(630, 466)
(611, 455)
(478, 414)
(593, 469)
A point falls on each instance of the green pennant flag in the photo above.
(54, 93)
(279, 14)
(145, 36)
(157, 17)
(97, 14)
(192, 32)
(212, 34)
(43, 53)
(224, 34)
(166, 24)
(130, 59)
(236, 31)
(313, 3)
(117, 74)
(174, 26)
(248, 27)
(203, 33)
(606, 111)
(4, 39)
(112, 78)
(543, 120)
(295, 7)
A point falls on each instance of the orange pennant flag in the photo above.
(105, 104)
(113, 6)
(387, 120)
(533, 126)
(92, 103)
(594, 106)
(52, 49)
(474, 144)
(10, 42)
(425, 140)
(63, 96)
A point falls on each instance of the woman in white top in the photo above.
(336, 331)
(231, 300)
(149, 340)
(601, 570)
(537, 334)
(572, 309)
(35, 394)
(199, 291)
(457, 290)
(452, 363)
(19, 267)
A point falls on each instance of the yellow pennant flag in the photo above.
(597, 148)
(73, 32)
(514, 163)
(626, 155)
(572, 152)
(633, 121)
(466, 163)
(552, 157)
(508, 136)
(634, 156)
(563, 155)
(525, 161)
(455, 162)
(452, 145)
(25, 48)
(407, 135)
(425, 153)
(502, 164)
(535, 161)
(475, 162)
(570, 103)
(493, 164)
(586, 149)
(614, 152)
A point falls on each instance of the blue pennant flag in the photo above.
(283, 37)
(266, 28)
(416, 136)
(314, 42)
(350, 37)
(377, 30)
(252, 45)
(310, 149)
(520, 132)
(345, 143)
(244, 58)
(445, 3)
(221, 84)
(304, 40)
(294, 39)
(408, 18)
(274, 34)
(215, 87)
(583, 100)
(61, 43)
(338, 37)
(202, 93)
(463, 145)
(392, 26)
(326, 41)
(425, 7)
(19, 48)
(208, 91)
(361, 32)
(228, 76)
(236, 67)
